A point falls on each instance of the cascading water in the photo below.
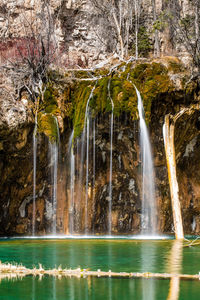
(110, 176)
(94, 166)
(54, 174)
(72, 179)
(54, 168)
(148, 217)
(86, 134)
(34, 175)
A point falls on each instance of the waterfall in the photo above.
(110, 176)
(54, 168)
(86, 135)
(148, 216)
(87, 167)
(94, 168)
(72, 179)
(34, 175)
(54, 174)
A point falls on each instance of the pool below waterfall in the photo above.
(119, 255)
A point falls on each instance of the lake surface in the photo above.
(117, 255)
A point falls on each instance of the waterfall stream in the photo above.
(54, 168)
(94, 168)
(54, 175)
(72, 179)
(86, 135)
(110, 176)
(34, 175)
(148, 214)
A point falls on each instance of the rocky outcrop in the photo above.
(164, 88)
(84, 33)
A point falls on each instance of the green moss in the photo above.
(47, 124)
(100, 98)
(151, 80)
(80, 98)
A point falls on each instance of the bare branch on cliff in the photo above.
(117, 20)
(186, 29)
(34, 52)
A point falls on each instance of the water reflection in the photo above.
(175, 266)
(54, 261)
(130, 256)
(148, 255)
(33, 278)
(110, 267)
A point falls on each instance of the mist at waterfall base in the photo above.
(84, 178)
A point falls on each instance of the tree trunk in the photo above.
(168, 132)
(118, 29)
(156, 43)
(136, 29)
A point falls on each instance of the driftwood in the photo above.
(18, 271)
(168, 132)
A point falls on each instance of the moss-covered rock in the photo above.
(152, 79)
(47, 124)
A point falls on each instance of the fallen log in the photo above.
(18, 271)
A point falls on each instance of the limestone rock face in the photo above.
(84, 34)
(85, 38)
(16, 167)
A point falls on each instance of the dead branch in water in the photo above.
(8, 270)
(195, 242)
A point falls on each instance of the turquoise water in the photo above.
(116, 255)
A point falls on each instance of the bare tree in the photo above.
(186, 28)
(119, 15)
(156, 42)
(34, 52)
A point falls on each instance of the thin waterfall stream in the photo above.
(34, 175)
(94, 168)
(72, 179)
(110, 176)
(148, 214)
(86, 134)
(54, 146)
(54, 168)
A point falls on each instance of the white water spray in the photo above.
(148, 216)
